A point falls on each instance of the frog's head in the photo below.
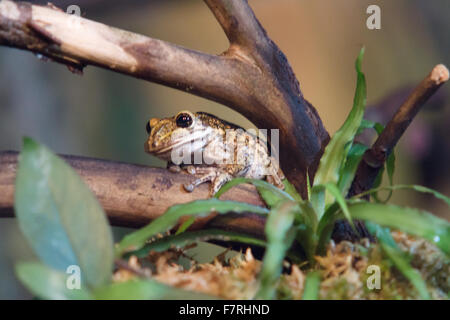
(186, 131)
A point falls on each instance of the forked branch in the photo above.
(252, 76)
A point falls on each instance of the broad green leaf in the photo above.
(187, 238)
(271, 194)
(136, 240)
(60, 217)
(336, 151)
(398, 258)
(417, 188)
(312, 286)
(280, 235)
(146, 289)
(412, 221)
(47, 283)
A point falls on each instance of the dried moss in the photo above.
(343, 271)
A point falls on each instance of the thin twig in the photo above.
(374, 158)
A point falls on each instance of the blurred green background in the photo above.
(103, 114)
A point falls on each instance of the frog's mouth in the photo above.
(192, 138)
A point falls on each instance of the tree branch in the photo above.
(252, 76)
(375, 157)
(133, 195)
(239, 24)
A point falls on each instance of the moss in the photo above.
(343, 272)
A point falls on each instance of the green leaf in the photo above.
(390, 169)
(60, 217)
(47, 283)
(333, 189)
(312, 286)
(398, 258)
(306, 226)
(412, 221)
(280, 235)
(168, 220)
(290, 189)
(185, 225)
(146, 289)
(348, 171)
(338, 147)
(308, 185)
(326, 226)
(271, 194)
(187, 238)
(377, 183)
(417, 188)
(367, 124)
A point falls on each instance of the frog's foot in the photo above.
(275, 180)
(190, 169)
(219, 181)
(206, 178)
(276, 177)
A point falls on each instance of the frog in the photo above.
(213, 149)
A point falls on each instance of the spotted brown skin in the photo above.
(201, 143)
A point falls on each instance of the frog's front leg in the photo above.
(217, 179)
(210, 175)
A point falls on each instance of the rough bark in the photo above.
(133, 195)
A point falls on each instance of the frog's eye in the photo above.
(184, 120)
(148, 127)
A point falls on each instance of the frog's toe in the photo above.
(190, 170)
(219, 182)
(189, 187)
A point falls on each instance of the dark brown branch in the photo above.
(374, 158)
(134, 195)
(239, 24)
(252, 76)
